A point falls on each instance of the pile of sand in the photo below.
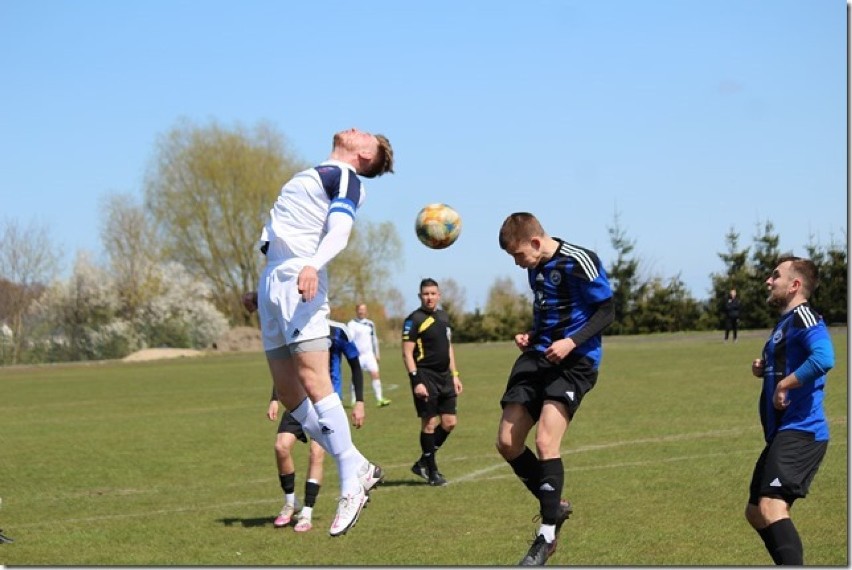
(160, 353)
(240, 339)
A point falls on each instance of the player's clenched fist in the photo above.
(757, 367)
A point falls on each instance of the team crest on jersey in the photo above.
(556, 277)
(776, 338)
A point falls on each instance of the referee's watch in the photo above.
(412, 377)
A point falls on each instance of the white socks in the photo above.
(548, 531)
(306, 415)
(336, 438)
(377, 388)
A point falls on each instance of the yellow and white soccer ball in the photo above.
(438, 226)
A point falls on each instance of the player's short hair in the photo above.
(383, 161)
(519, 227)
(806, 270)
(428, 282)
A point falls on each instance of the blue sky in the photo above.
(685, 117)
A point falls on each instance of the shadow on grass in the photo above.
(248, 523)
(267, 521)
(402, 483)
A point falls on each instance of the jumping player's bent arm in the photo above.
(339, 227)
(603, 316)
(820, 361)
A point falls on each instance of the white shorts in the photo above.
(368, 362)
(284, 317)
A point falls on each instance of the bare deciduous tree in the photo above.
(28, 261)
(132, 251)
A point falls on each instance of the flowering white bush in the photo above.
(181, 313)
(84, 318)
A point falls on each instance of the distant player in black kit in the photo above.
(732, 314)
(427, 352)
(557, 367)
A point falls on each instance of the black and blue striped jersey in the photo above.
(341, 345)
(800, 345)
(567, 289)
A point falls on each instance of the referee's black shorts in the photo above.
(787, 466)
(289, 424)
(535, 379)
(442, 394)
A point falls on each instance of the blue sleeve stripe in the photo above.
(343, 205)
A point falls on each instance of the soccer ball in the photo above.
(438, 226)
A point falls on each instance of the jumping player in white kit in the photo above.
(309, 225)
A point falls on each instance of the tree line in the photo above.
(656, 304)
(177, 263)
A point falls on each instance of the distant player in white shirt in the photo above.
(309, 225)
(364, 336)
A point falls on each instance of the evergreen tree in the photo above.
(623, 277)
(735, 276)
(757, 313)
(831, 296)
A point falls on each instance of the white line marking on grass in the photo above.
(599, 446)
(485, 474)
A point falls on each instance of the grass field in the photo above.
(171, 463)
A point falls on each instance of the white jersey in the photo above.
(309, 208)
(309, 224)
(364, 336)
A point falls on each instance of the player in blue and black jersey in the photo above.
(793, 366)
(557, 367)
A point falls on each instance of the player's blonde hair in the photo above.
(519, 227)
(383, 161)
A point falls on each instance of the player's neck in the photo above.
(793, 303)
(345, 155)
(548, 249)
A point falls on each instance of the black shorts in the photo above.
(786, 466)
(535, 379)
(442, 394)
(290, 425)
